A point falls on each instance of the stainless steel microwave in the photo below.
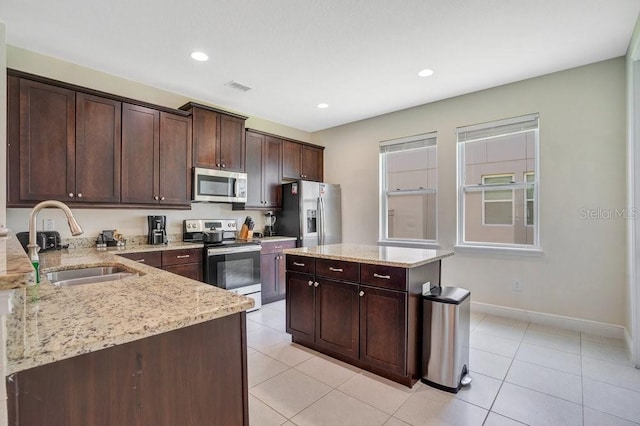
(219, 186)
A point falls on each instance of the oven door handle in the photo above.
(232, 250)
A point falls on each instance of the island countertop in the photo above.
(51, 323)
(376, 255)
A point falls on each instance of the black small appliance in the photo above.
(157, 229)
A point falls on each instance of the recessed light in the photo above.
(323, 105)
(425, 73)
(199, 56)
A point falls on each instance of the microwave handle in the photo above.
(236, 187)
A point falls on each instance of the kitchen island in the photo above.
(362, 304)
(156, 348)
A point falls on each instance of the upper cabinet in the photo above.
(264, 171)
(93, 149)
(156, 160)
(302, 161)
(218, 138)
(61, 144)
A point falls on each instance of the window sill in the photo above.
(410, 244)
(466, 248)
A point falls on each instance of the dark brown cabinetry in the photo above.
(218, 138)
(91, 149)
(156, 156)
(196, 375)
(302, 161)
(272, 270)
(264, 171)
(62, 145)
(367, 315)
(184, 262)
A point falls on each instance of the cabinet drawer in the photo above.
(269, 247)
(338, 269)
(302, 264)
(384, 276)
(189, 270)
(179, 257)
(151, 258)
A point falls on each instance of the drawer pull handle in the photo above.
(298, 264)
(310, 283)
(386, 277)
(140, 260)
(361, 293)
(335, 269)
(316, 284)
(278, 247)
(183, 256)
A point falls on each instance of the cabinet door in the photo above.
(140, 152)
(254, 163)
(281, 276)
(206, 134)
(300, 306)
(272, 172)
(337, 317)
(269, 276)
(47, 142)
(232, 143)
(383, 329)
(312, 163)
(291, 160)
(175, 159)
(98, 388)
(98, 144)
(189, 270)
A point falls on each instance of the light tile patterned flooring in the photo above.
(522, 374)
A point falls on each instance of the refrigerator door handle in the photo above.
(321, 220)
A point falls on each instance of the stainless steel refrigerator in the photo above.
(312, 212)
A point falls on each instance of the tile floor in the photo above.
(522, 374)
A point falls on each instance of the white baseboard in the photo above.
(559, 321)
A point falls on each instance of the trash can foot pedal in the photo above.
(466, 380)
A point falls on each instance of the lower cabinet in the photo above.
(370, 318)
(272, 270)
(184, 262)
(196, 375)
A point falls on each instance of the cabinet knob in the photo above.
(71, 195)
(361, 293)
(224, 165)
(161, 198)
(310, 283)
(79, 194)
(316, 284)
(156, 198)
(217, 164)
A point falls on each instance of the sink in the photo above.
(91, 275)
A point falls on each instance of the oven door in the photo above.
(233, 268)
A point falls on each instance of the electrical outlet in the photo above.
(517, 285)
(48, 224)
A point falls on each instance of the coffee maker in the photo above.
(157, 229)
(269, 228)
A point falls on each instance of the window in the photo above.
(497, 204)
(408, 189)
(498, 178)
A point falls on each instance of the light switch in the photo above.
(49, 224)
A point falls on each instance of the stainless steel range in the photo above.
(230, 264)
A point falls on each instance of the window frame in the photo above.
(428, 140)
(491, 130)
(527, 199)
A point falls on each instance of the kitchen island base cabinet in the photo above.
(195, 376)
(369, 318)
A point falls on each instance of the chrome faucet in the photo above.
(32, 247)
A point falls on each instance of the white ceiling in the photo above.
(359, 56)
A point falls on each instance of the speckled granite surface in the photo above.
(15, 268)
(376, 255)
(52, 323)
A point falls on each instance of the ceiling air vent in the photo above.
(238, 86)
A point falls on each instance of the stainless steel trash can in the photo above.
(445, 340)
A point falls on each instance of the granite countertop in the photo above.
(377, 255)
(16, 270)
(51, 323)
